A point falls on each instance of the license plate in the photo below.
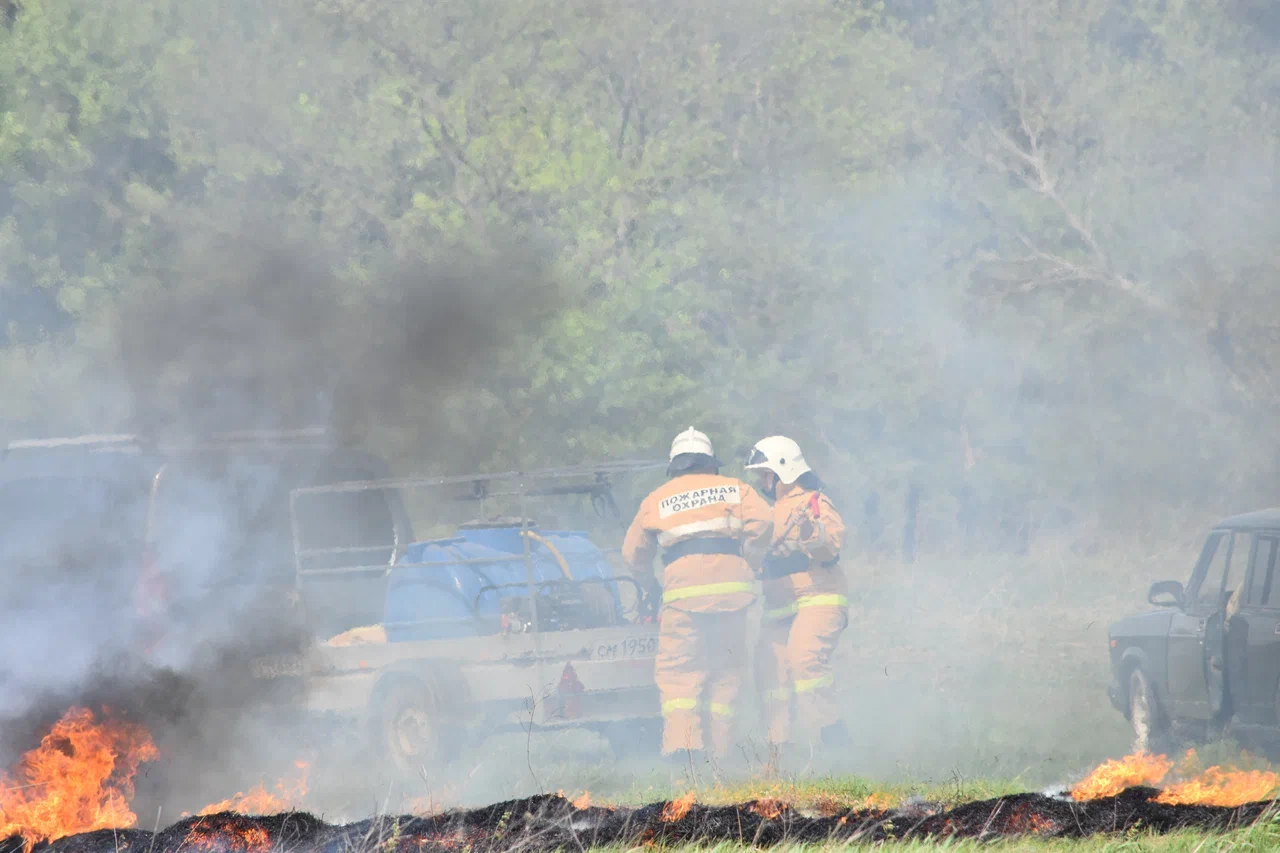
(278, 667)
(631, 647)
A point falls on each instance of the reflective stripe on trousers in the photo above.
(794, 669)
(825, 600)
(699, 590)
(808, 685)
(699, 673)
(671, 706)
(804, 685)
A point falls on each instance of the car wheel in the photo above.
(1149, 729)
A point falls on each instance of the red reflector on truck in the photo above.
(570, 691)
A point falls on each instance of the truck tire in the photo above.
(1150, 729)
(634, 739)
(410, 732)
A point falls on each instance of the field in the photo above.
(971, 683)
(1128, 821)
(953, 669)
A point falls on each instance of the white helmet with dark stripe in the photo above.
(691, 441)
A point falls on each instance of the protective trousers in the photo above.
(793, 664)
(702, 658)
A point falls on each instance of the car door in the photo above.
(1188, 686)
(1224, 606)
(1253, 647)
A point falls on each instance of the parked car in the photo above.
(1209, 657)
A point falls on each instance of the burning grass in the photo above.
(1111, 777)
(1183, 785)
(260, 801)
(552, 823)
(79, 779)
(71, 793)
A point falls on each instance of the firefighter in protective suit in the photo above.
(806, 604)
(712, 531)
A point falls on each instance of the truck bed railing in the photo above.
(386, 568)
(600, 472)
(425, 623)
(641, 600)
(593, 481)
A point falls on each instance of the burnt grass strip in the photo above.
(550, 823)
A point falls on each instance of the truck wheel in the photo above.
(634, 739)
(409, 731)
(1149, 729)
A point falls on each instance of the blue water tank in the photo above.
(435, 590)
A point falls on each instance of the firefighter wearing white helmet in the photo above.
(713, 532)
(806, 604)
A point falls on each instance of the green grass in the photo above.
(830, 793)
(1261, 837)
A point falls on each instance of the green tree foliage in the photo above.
(1023, 249)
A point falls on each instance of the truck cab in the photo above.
(172, 540)
(1209, 655)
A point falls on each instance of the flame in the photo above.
(1189, 765)
(1112, 777)
(1215, 786)
(679, 807)
(583, 802)
(260, 801)
(826, 805)
(1024, 821)
(1218, 787)
(227, 838)
(423, 807)
(876, 802)
(768, 807)
(80, 778)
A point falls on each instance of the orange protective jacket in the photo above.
(803, 540)
(715, 511)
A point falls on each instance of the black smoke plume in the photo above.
(255, 330)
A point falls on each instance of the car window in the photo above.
(361, 522)
(1234, 573)
(1263, 592)
(1215, 559)
(70, 528)
(223, 524)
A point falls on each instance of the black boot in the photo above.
(686, 767)
(787, 760)
(836, 736)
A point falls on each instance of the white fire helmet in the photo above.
(691, 441)
(778, 454)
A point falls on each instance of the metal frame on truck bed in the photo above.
(421, 698)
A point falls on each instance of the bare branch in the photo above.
(1036, 174)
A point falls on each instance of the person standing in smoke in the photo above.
(712, 531)
(806, 604)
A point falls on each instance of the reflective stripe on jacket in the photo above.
(702, 506)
